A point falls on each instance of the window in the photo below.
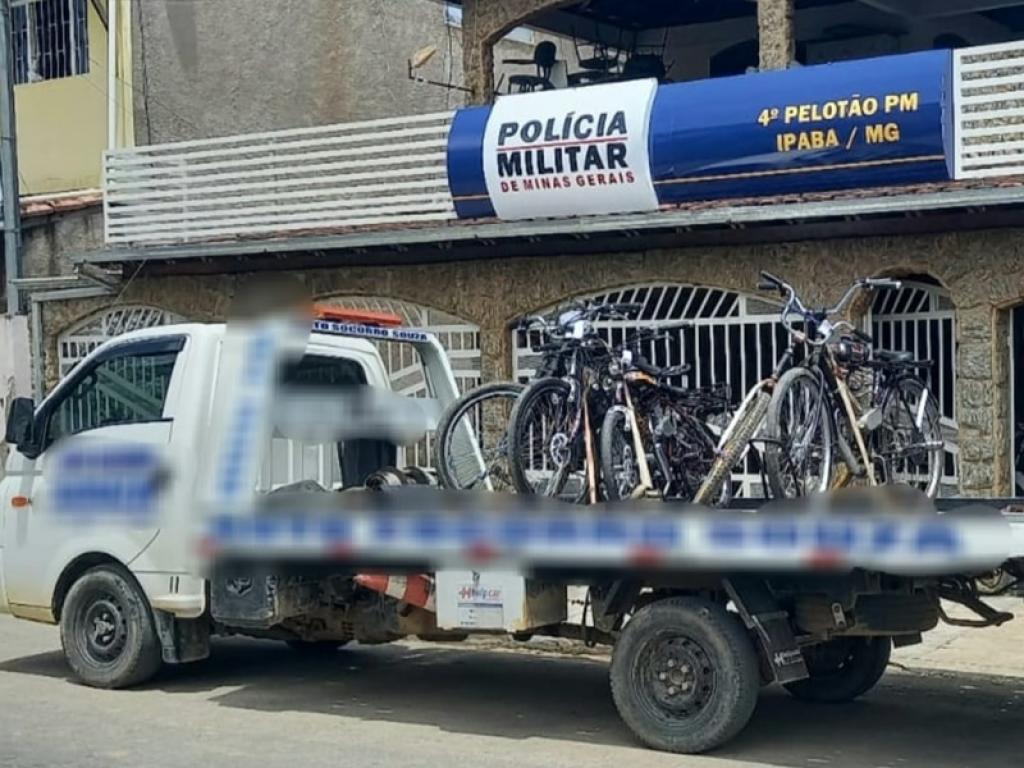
(50, 39)
(127, 388)
(321, 371)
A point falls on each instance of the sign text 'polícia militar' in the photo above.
(570, 152)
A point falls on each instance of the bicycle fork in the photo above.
(646, 482)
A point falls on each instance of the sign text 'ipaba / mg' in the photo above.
(813, 125)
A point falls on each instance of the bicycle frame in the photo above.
(646, 481)
(834, 389)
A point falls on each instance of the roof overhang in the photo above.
(907, 211)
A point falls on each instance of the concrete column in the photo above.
(976, 402)
(477, 52)
(776, 34)
(495, 353)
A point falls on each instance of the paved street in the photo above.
(258, 703)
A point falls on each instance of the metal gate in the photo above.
(144, 377)
(920, 318)
(74, 345)
(734, 338)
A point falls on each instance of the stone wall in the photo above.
(49, 242)
(984, 272)
(204, 69)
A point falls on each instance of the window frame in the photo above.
(77, 64)
(135, 348)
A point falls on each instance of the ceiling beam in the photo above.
(937, 9)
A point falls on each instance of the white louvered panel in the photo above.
(370, 173)
(988, 110)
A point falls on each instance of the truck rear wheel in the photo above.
(684, 675)
(842, 669)
(107, 630)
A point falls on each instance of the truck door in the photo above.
(121, 395)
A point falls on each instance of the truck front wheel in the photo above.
(107, 630)
(684, 675)
(842, 669)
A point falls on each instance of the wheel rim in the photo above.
(803, 440)
(677, 676)
(486, 420)
(104, 630)
(910, 439)
(625, 473)
(547, 452)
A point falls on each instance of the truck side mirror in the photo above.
(20, 421)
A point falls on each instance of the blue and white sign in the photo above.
(570, 152)
(861, 123)
(635, 146)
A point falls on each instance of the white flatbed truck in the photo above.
(702, 608)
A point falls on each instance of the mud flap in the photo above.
(182, 640)
(761, 613)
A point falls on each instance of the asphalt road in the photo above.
(261, 704)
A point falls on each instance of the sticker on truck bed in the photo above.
(480, 606)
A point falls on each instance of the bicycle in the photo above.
(892, 435)
(552, 427)
(654, 425)
(471, 446)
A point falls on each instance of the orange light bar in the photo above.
(361, 316)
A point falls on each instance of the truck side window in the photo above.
(118, 390)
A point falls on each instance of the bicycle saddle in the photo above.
(642, 364)
(890, 357)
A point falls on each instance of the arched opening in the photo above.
(920, 318)
(737, 59)
(75, 344)
(1016, 399)
(732, 338)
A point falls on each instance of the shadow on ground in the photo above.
(910, 720)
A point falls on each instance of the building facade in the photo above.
(958, 246)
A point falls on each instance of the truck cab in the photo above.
(153, 388)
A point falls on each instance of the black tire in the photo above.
(842, 669)
(777, 451)
(702, 700)
(522, 449)
(717, 486)
(616, 454)
(893, 435)
(444, 458)
(107, 630)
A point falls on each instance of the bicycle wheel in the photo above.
(798, 437)
(471, 442)
(546, 454)
(693, 458)
(619, 468)
(733, 446)
(909, 439)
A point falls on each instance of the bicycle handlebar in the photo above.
(770, 282)
(794, 306)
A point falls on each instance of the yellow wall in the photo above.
(62, 123)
